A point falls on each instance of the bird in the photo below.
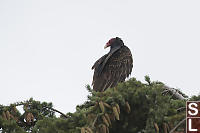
(113, 67)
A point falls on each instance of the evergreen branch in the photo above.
(174, 92)
(55, 110)
(181, 109)
(177, 125)
(29, 104)
(94, 121)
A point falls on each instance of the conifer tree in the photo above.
(131, 107)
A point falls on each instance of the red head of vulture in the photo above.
(113, 67)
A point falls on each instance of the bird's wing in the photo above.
(99, 62)
(116, 69)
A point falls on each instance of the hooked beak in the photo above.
(107, 45)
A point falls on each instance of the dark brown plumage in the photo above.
(113, 67)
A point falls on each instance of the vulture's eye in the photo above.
(111, 40)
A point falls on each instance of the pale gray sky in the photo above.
(47, 47)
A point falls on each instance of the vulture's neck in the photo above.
(114, 49)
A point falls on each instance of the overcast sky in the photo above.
(47, 47)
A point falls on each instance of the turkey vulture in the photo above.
(113, 67)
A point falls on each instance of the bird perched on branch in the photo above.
(113, 67)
